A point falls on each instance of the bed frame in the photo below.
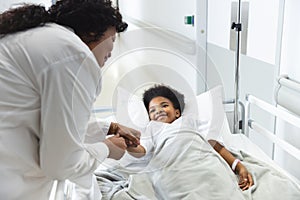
(257, 127)
(287, 96)
(63, 190)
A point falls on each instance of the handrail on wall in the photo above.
(284, 80)
(287, 94)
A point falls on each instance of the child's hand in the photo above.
(129, 143)
(116, 145)
(245, 178)
(131, 136)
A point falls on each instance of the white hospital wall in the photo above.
(154, 41)
(290, 62)
(143, 56)
(167, 13)
(6, 4)
(273, 49)
(258, 68)
(290, 59)
(262, 27)
(273, 46)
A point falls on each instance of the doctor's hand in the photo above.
(116, 145)
(131, 136)
(245, 178)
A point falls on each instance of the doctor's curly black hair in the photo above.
(88, 18)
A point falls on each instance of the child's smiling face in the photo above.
(162, 109)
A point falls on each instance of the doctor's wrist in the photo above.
(113, 128)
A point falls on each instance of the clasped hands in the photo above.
(123, 137)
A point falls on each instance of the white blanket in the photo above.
(184, 166)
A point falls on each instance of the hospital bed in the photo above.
(163, 63)
(236, 141)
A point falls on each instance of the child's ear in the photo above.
(177, 113)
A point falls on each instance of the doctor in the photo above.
(50, 76)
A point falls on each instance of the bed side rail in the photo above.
(282, 114)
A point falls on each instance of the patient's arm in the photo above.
(138, 151)
(245, 178)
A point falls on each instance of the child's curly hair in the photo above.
(164, 91)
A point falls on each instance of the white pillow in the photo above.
(130, 110)
(206, 107)
(210, 108)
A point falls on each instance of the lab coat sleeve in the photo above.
(97, 130)
(68, 89)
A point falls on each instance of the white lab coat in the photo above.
(49, 80)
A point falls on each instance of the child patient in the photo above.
(165, 104)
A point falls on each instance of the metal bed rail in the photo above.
(282, 114)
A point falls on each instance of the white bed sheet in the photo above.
(242, 142)
(186, 175)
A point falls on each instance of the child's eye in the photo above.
(165, 105)
(151, 111)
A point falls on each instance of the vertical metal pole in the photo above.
(237, 73)
(201, 45)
